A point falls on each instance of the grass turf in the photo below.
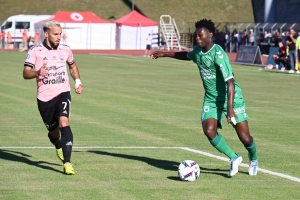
(138, 102)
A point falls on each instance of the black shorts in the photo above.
(50, 111)
(148, 47)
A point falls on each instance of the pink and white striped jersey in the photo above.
(56, 60)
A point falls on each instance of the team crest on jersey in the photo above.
(208, 61)
(28, 56)
(206, 108)
(61, 57)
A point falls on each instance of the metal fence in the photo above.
(239, 27)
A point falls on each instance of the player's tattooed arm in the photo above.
(76, 76)
(74, 71)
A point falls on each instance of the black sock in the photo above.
(54, 141)
(66, 142)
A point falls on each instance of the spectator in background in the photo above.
(217, 38)
(37, 37)
(298, 52)
(223, 40)
(244, 38)
(268, 37)
(227, 42)
(8, 40)
(1, 39)
(30, 42)
(265, 46)
(25, 39)
(148, 46)
(281, 58)
(276, 38)
(283, 36)
(239, 40)
(233, 41)
(291, 43)
(260, 39)
(251, 38)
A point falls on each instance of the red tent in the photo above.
(77, 17)
(133, 29)
(135, 19)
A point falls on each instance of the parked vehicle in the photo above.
(17, 24)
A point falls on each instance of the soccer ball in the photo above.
(188, 170)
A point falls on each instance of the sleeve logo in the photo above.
(220, 55)
(28, 56)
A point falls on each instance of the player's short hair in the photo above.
(205, 23)
(50, 24)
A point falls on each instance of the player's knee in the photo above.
(246, 140)
(210, 132)
(63, 122)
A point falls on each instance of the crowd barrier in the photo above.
(250, 55)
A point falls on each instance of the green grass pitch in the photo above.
(131, 109)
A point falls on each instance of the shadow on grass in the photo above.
(164, 164)
(203, 170)
(24, 158)
(220, 172)
(161, 164)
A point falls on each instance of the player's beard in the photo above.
(53, 45)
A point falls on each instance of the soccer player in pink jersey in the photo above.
(47, 63)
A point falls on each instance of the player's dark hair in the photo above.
(208, 24)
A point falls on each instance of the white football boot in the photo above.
(234, 165)
(253, 167)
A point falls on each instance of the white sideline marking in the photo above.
(244, 165)
(112, 56)
(93, 147)
(182, 148)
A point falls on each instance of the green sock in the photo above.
(252, 150)
(220, 144)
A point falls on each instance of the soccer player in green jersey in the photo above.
(222, 95)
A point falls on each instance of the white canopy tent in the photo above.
(83, 30)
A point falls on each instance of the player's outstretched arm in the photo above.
(182, 55)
